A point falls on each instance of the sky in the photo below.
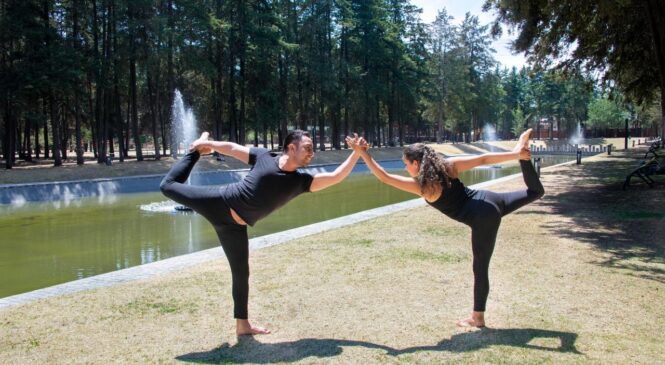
(457, 9)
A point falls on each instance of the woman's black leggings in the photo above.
(209, 202)
(484, 212)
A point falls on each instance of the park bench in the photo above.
(645, 171)
(651, 153)
(655, 146)
(655, 143)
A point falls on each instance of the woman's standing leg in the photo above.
(484, 227)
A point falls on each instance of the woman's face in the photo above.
(412, 167)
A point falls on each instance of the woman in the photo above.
(436, 180)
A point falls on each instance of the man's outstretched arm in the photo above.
(326, 179)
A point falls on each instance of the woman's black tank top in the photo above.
(452, 199)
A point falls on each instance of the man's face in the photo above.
(303, 152)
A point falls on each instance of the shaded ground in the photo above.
(627, 225)
(576, 277)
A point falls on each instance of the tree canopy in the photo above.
(623, 40)
(101, 74)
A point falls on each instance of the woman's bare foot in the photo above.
(522, 146)
(244, 328)
(477, 319)
(199, 144)
(525, 154)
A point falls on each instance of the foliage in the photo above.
(103, 74)
(606, 113)
(622, 40)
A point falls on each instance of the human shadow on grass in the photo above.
(627, 225)
(249, 350)
(528, 338)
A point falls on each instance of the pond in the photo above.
(48, 243)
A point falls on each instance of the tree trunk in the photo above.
(8, 143)
(233, 130)
(131, 15)
(161, 110)
(99, 136)
(93, 133)
(656, 15)
(77, 114)
(153, 110)
(27, 146)
(322, 127)
(283, 67)
(64, 133)
(242, 54)
(116, 114)
(171, 77)
(18, 137)
(37, 148)
(135, 115)
(47, 150)
(57, 159)
(346, 93)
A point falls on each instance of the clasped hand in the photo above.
(358, 144)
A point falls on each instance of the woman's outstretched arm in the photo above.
(464, 163)
(400, 182)
(520, 152)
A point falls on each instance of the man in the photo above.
(272, 181)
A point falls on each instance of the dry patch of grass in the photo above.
(573, 281)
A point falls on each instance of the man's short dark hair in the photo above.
(294, 137)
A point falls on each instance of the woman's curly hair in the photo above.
(433, 172)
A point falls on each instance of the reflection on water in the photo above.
(48, 243)
(64, 195)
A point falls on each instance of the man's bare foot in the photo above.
(198, 144)
(244, 328)
(477, 319)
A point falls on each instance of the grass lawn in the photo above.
(577, 277)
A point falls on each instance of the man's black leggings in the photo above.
(209, 202)
(484, 212)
